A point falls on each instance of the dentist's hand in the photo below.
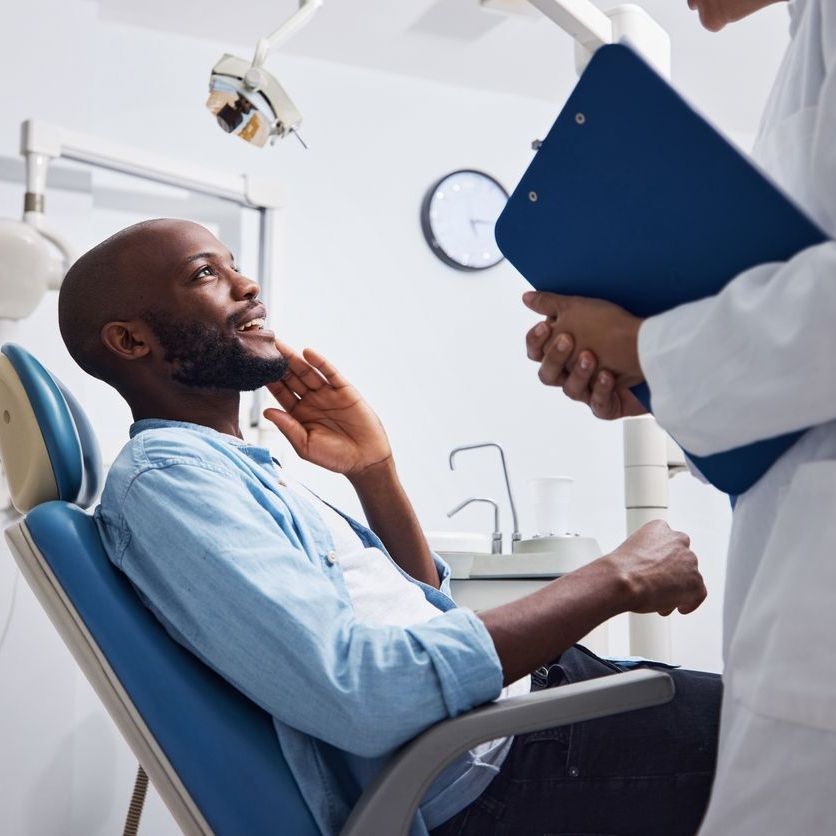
(591, 325)
(659, 570)
(324, 417)
(598, 389)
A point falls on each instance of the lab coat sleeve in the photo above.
(236, 586)
(758, 359)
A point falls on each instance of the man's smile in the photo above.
(252, 323)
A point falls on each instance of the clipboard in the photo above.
(634, 198)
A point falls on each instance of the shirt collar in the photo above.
(155, 423)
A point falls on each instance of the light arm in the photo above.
(307, 9)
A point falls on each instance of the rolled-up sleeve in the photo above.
(230, 579)
(444, 575)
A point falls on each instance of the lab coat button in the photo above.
(331, 557)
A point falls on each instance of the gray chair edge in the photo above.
(390, 802)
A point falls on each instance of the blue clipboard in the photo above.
(635, 198)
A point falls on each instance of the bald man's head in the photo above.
(101, 287)
(162, 305)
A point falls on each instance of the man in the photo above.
(751, 363)
(353, 652)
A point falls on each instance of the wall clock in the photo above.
(458, 216)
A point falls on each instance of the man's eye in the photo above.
(204, 271)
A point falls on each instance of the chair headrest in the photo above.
(47, 445)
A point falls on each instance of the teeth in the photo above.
(253, 323)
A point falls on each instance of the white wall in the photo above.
(438, 353)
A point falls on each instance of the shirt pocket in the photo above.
(782, 661)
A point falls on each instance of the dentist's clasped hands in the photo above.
(589, 348)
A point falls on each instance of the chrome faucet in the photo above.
(515, 535)
(496, 542)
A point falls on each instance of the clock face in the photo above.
(458, 218)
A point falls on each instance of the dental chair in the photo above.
(211, 753)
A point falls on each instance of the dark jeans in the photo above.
(643, 773)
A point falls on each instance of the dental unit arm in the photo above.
(591, 27)
(247, 100)
(30, 266)
(650, 457)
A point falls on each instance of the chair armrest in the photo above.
(389, 803)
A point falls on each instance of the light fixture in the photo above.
(247, 100)
(29, 263)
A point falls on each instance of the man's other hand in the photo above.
(659, 570)
(591, 325)
(324, 417)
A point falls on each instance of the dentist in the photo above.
(755, 361)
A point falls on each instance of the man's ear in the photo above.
(127, 340)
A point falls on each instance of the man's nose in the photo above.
(245, 288)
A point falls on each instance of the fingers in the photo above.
(696, 591)
(557, 353)
(695, 600)
(287, 400)
(536, 339)
(602, 398)
(548, 304)
(577, 385)
(325, 368)
(302, 375)
(289, 427)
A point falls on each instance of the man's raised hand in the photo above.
(324, 417)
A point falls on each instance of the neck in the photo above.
(215, 408)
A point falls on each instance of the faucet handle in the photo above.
(496, 542)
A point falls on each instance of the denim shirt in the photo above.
(241, 572)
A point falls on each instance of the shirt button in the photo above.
(331, 557)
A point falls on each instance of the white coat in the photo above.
(756, 361)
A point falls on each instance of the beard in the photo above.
(207, 357)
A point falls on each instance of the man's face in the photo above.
(204, 314)
(715, 14)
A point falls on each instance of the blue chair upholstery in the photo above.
(222, 746)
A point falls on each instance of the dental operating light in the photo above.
(246, 100)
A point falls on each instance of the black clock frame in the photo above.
(426, 226)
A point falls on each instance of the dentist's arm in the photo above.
(329, 424)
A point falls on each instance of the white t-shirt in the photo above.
(380, 594)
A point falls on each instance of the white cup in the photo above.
(550, 497)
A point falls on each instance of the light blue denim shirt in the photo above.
(236, 567)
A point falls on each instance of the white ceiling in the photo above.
(727, 75)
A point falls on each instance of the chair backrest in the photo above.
(212, 753)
